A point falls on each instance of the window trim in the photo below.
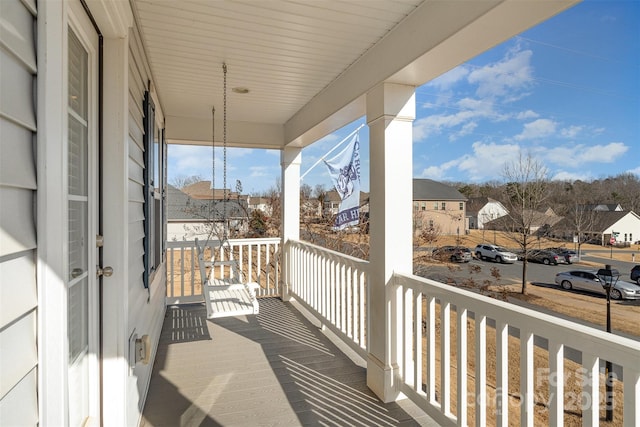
(154, 209)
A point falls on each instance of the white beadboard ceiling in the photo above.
(307, 63)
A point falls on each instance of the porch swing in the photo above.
(228, 295)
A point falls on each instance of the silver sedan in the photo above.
(587, 280)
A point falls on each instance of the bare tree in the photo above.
(182, 181)
(525, 192)
(577, 210)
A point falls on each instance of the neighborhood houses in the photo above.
(438, 208)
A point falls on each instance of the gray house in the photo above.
(189, 218)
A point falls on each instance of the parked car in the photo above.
(587, 280)
(495, 253)
(565, 255)
(452, 253)
(543, 256)
(635, 274)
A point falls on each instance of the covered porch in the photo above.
(298, 72)
(459, 358)
(276, 368)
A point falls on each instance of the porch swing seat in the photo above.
(229, 296)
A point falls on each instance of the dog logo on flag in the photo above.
(345, 181)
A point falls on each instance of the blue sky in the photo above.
(566, 91)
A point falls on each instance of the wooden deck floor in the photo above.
(273, 369)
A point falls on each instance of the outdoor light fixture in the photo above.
(608, 278)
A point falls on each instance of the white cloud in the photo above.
(466, 129)
(438, 172)
(485, 163)
(261, 171)
(571, 176)
(469, 110)
(602, 153)
(576, 156)
(488, 159)
(189, 160)
(504, 78)
(525, 115)
(537, 129)
(571, 132)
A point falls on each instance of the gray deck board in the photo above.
(271, 369)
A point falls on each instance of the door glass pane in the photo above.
(77, 239)
(77, 153)
(78, 202)
(78, 320)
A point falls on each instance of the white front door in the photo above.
(82, 218)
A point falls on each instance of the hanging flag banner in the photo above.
(344, 169)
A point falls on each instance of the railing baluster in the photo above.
(431, 349)
(250, 250)
(267, 261)
(461, 361)
(502, 374)
(362, 315)
(417, 346)
(556, 383)
(193, 275)
(526, 378)
(349, 302)
(590, 387)
(172, 284)
(406, 321)
(481, 369)
(182, 269)
(445, 356)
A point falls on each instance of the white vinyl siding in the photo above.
(146, 306)
(137, 80)
(18, 292)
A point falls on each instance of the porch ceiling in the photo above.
(307, 64)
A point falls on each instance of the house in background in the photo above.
(603, 226)
(332, 202)
(263, 204)
(202, 191)
(189, 218)
(603, 207)
(438, 207)
(481, 210)
(539, 222)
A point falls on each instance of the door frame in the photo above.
(82, 26)
(53, 20)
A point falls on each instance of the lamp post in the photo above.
(608, 278)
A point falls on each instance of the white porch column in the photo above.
(290, 160)
(390, 115)
(115, 292)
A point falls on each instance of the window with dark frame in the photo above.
(154, 192)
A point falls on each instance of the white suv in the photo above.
(495, 253)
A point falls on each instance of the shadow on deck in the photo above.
(272, 369)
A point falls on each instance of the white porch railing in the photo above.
(259, 261)
(332, 286)
(541, 363)
(559, 361)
